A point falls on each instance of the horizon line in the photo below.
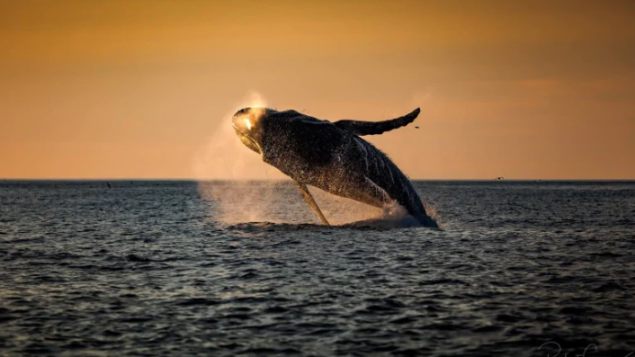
(289, 179)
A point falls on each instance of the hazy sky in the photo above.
(145, 89)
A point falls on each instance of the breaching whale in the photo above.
(331, 156)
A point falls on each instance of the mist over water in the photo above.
(252, 194)
(280, 201)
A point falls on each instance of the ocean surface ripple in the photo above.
(142, 268)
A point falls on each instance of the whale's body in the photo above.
(331, 156)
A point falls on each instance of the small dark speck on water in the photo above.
(150, 270)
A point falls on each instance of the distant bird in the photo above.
(108, 184)
(416, 127)
(500, 178)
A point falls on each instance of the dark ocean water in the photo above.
(150, 269)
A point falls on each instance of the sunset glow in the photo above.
(136, 89)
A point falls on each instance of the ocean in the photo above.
(178, 268)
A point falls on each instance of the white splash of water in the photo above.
(392, 216)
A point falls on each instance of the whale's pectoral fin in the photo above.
(373, 128)
(309, 199)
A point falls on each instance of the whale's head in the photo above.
(248, 126)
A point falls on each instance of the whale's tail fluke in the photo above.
(374, 128)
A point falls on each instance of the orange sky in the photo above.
(143, 89)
